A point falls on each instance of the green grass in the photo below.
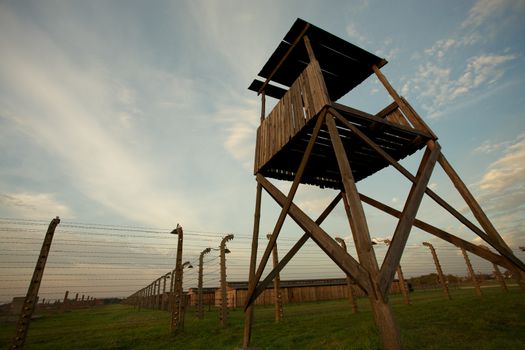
(495, 321)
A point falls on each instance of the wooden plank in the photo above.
(309, 96)
(266, 141)
(387, 110)
(401, 118)
(289, 119)
(297, 108)
(397, 245)
(304, 93)
(324, 241)
(282, 263)
(284, 119)
(279, 120)
(273, 135)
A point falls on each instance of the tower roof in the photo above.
(344, 65)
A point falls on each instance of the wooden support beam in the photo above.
(421, 121)
(263, 106)
(348, 264)
(290, 49)
(289, 199)
(309, 48)
(440, 201)
(282, 263)
(356, 214)
(496, 241)
(416, 122)
(248, 311)
(383, 315)
(397, 245)
(486, 254)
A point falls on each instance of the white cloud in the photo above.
(502, 192)
(509, 170)
(355, 35)
(444, 78)
(78, 113)
(488, 147)
(33, 205)
(435, 84)
(240, 123)
(485, 9)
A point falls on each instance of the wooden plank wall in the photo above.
(304, 100)
(237, 298)
(208, 298)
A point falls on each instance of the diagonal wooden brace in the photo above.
(397, 245)
(496, 241)
(348, 264)
(411, 177)
(284, 261)
(483, 253)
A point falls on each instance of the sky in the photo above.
(135, 113)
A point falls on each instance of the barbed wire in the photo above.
(97, 262)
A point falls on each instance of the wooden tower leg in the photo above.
(248, 313)
(382, 312)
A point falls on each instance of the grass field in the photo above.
(495, 321)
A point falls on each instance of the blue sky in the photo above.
(137, 113)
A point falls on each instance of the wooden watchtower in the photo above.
(311, 139)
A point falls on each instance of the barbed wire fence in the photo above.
(115, 261)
